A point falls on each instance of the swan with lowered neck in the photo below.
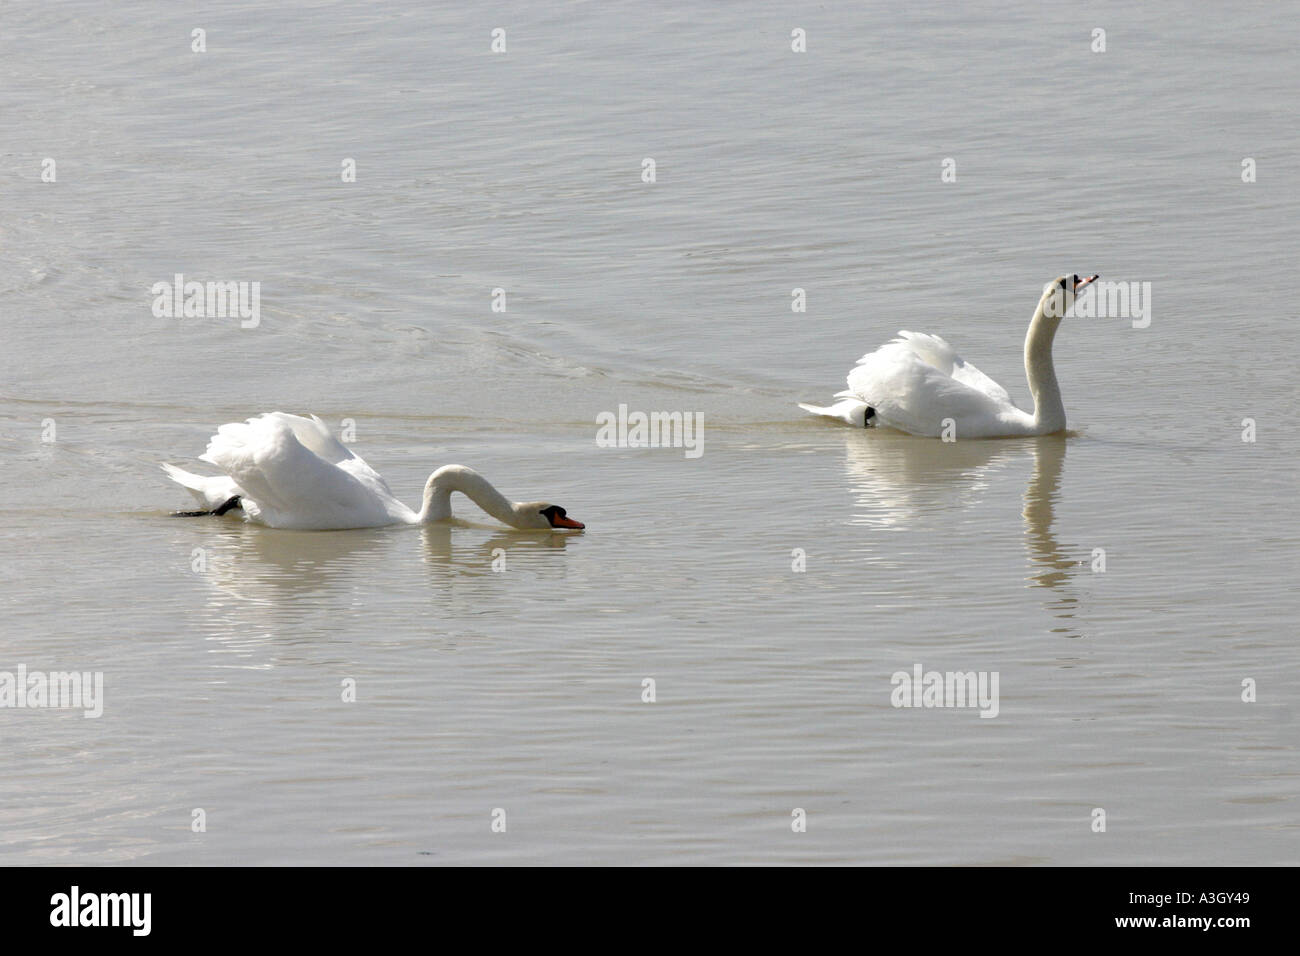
(285, 471)
(918, 383)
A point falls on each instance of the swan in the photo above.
(917, 382)
(286, 471)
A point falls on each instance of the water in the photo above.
(522, 689)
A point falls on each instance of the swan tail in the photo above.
(209, 492)
(852, 410)
(190, 482)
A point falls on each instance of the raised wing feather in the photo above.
(291, 482)
(917, 381)
(938, 352)
(316, 436)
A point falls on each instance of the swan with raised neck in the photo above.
(917, 383)
(1049, 408)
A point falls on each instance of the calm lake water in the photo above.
(224, 648)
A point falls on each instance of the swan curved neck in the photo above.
(449, 478)
(1049, 409)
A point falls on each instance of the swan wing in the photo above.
(938, 352)
(912, 384)
(315, 436)
(288, 483)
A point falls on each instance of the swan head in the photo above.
(1059, 294)
(542, 515)
(524, 515)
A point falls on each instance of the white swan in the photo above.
(918, 381)
(285, 471)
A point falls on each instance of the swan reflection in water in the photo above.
(268, 589)
(266, 566)
(1050, 565)
(903, 483)
(278, 569)
(478, 557)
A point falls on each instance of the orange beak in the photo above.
(565, 522)
(1080, 283)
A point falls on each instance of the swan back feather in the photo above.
(292, 473)
(917, 381)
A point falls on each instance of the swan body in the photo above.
(286, 471)
(917, 383)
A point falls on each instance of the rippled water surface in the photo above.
(225, 647)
